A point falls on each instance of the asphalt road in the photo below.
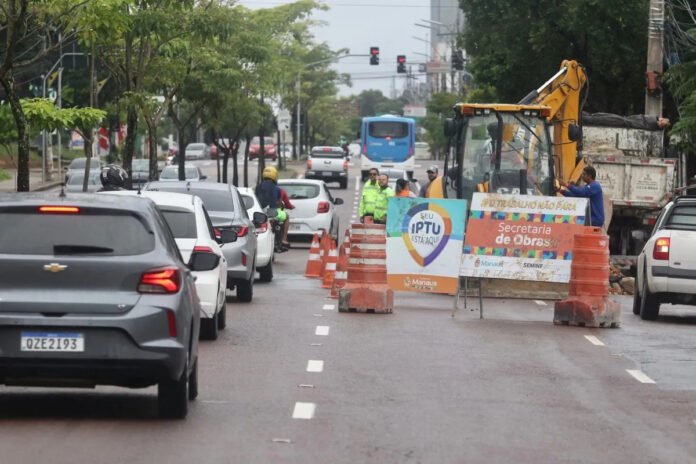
(291, 380)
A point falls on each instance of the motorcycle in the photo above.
(277, 227)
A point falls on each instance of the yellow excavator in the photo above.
(517, 148)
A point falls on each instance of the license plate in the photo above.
(327, 173)
(50, 341)
(295, 226)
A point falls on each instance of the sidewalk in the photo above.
(35, 182)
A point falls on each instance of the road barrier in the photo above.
(588, 302)
(313, 268)
(341, 276)
(366, 289)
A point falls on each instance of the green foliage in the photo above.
(43, 114)
(8, 128)
(439, 108)
(4, 175)
(516, 45)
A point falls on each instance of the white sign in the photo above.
(284, 119)
(415, 111)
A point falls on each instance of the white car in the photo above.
(315, 208)
(666, 269)
(191, 172)
(193, 231)
(265, 236)
(197, 151)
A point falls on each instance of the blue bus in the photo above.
(387, 142)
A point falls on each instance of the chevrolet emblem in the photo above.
(54, 267)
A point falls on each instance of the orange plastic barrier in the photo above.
(341, 276)
(330, 269)
(366, 289)
(313, 268)
(588, 302)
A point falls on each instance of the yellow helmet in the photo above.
(270, 173)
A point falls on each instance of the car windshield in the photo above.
(181, 222)
(77, 163)
(327, 152)
(94, 232)
(301, 191)
(682, 217)
(78, 177)
(172, 172)
(195, 146)
(214, 200)
(266, 141)
(141, 165)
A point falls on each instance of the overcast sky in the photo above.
(360, 24)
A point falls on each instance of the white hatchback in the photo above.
(315, 207)
(264, 233)
(193, 231)
(666, 269)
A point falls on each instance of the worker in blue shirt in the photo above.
(591, 190)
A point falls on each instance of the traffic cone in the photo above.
(313, 268)
(341, 276)
(330, 269)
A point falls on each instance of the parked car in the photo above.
(197, 151)
(140, 172)
(315, 208)
(75, 181)
(78, 165)
(328, 164)
(227, 212)
(194, 232)
(269, 148)
(103, 299)
(666, 267)
(171, 173)
(264, 233)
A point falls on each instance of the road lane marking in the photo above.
(318, 315)
(357, 183)
(315, 344)
(282, 440)
(322, 330)
(315, 365)
(594, 340)
(639, 376)
(328, 307)
(306, 385)
(304, 410)
(540, 303)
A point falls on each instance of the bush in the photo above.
(4, 175)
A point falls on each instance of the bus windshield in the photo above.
(388, 129)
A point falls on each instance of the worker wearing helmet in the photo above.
(113, 177)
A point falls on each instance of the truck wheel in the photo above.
(650, 305)
(173, 396)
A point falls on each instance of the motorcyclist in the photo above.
(113, 177)
(269, 195)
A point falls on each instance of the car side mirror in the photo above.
(204, 261)
(225, 236)
(259, 218)
(338, 201)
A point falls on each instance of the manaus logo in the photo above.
(426, 229)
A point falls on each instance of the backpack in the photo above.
(264, 192)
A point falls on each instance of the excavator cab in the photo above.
(500, 149)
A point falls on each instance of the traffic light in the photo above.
(401, 64)
(457, 60)
(374, 56)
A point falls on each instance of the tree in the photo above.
(513, 47)
(439, 107)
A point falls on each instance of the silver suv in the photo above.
(227, 212)
(93, 291)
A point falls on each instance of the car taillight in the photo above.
(241, 231)
(345, 165)
(59, 209)
(323, 207)
(661, 249)
(309, 163)
(262, 228)
(218, 234)
(162, 280)
(171, 321)
(202, 249)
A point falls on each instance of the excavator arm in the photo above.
(562, 94)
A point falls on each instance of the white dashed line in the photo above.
(639, 376)
(282, 440)
(594, 340)
(540, 303)
(315, 365)
(315, 344)
(322, 330)
(328, 307)
(304, 410)
(318, 315)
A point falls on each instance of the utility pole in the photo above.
(654, 67)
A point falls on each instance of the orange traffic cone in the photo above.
(330, 269)
(313, 268)
(341, 269)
